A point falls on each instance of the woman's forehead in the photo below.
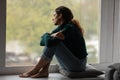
(54, 13)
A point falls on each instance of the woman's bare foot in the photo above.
(42, 73)
(29, 73)
(40, 65)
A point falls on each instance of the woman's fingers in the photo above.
(58, 35)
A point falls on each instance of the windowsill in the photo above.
(18, 70)
(52, 76)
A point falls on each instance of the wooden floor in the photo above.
(52, 76)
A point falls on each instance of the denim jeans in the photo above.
(65, 58)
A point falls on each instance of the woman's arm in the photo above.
(48, 40)
(58, 35)
(54, 38)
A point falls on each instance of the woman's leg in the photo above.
(41, 65)
(47, 55)
(67, 60)
(43, 73)
(64, 56)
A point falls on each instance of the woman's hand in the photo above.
(58, 35)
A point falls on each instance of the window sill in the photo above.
(52, 76)
(18, 70)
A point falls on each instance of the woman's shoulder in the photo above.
(74, 28)
(69, 26)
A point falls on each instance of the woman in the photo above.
(66, 42)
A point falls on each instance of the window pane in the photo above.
(27, 20)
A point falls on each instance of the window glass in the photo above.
(27, 20)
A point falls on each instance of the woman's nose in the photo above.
(52, 19)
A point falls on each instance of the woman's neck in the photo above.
(61, 22)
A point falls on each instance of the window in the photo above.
(108, 30)
(27, 20)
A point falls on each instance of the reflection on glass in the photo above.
(27, 20)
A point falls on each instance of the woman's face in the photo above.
(57, 19)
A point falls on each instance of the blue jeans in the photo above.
(65, 58)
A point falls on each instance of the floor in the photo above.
(52, 76)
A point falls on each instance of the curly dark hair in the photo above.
(66, 13)
(68, 16)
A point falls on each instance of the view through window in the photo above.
(27, 20)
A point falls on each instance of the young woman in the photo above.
(66, 42)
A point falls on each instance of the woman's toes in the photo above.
(28, 74)
(39, 75)
(24, 75)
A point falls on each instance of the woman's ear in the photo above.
(60, 16)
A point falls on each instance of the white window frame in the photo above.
(116, 55)
(106, 32)
(109, 37)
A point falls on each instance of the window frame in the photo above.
(116, 55)
(2, 32)
(109, 37)
(111, 55)
(107, 31)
